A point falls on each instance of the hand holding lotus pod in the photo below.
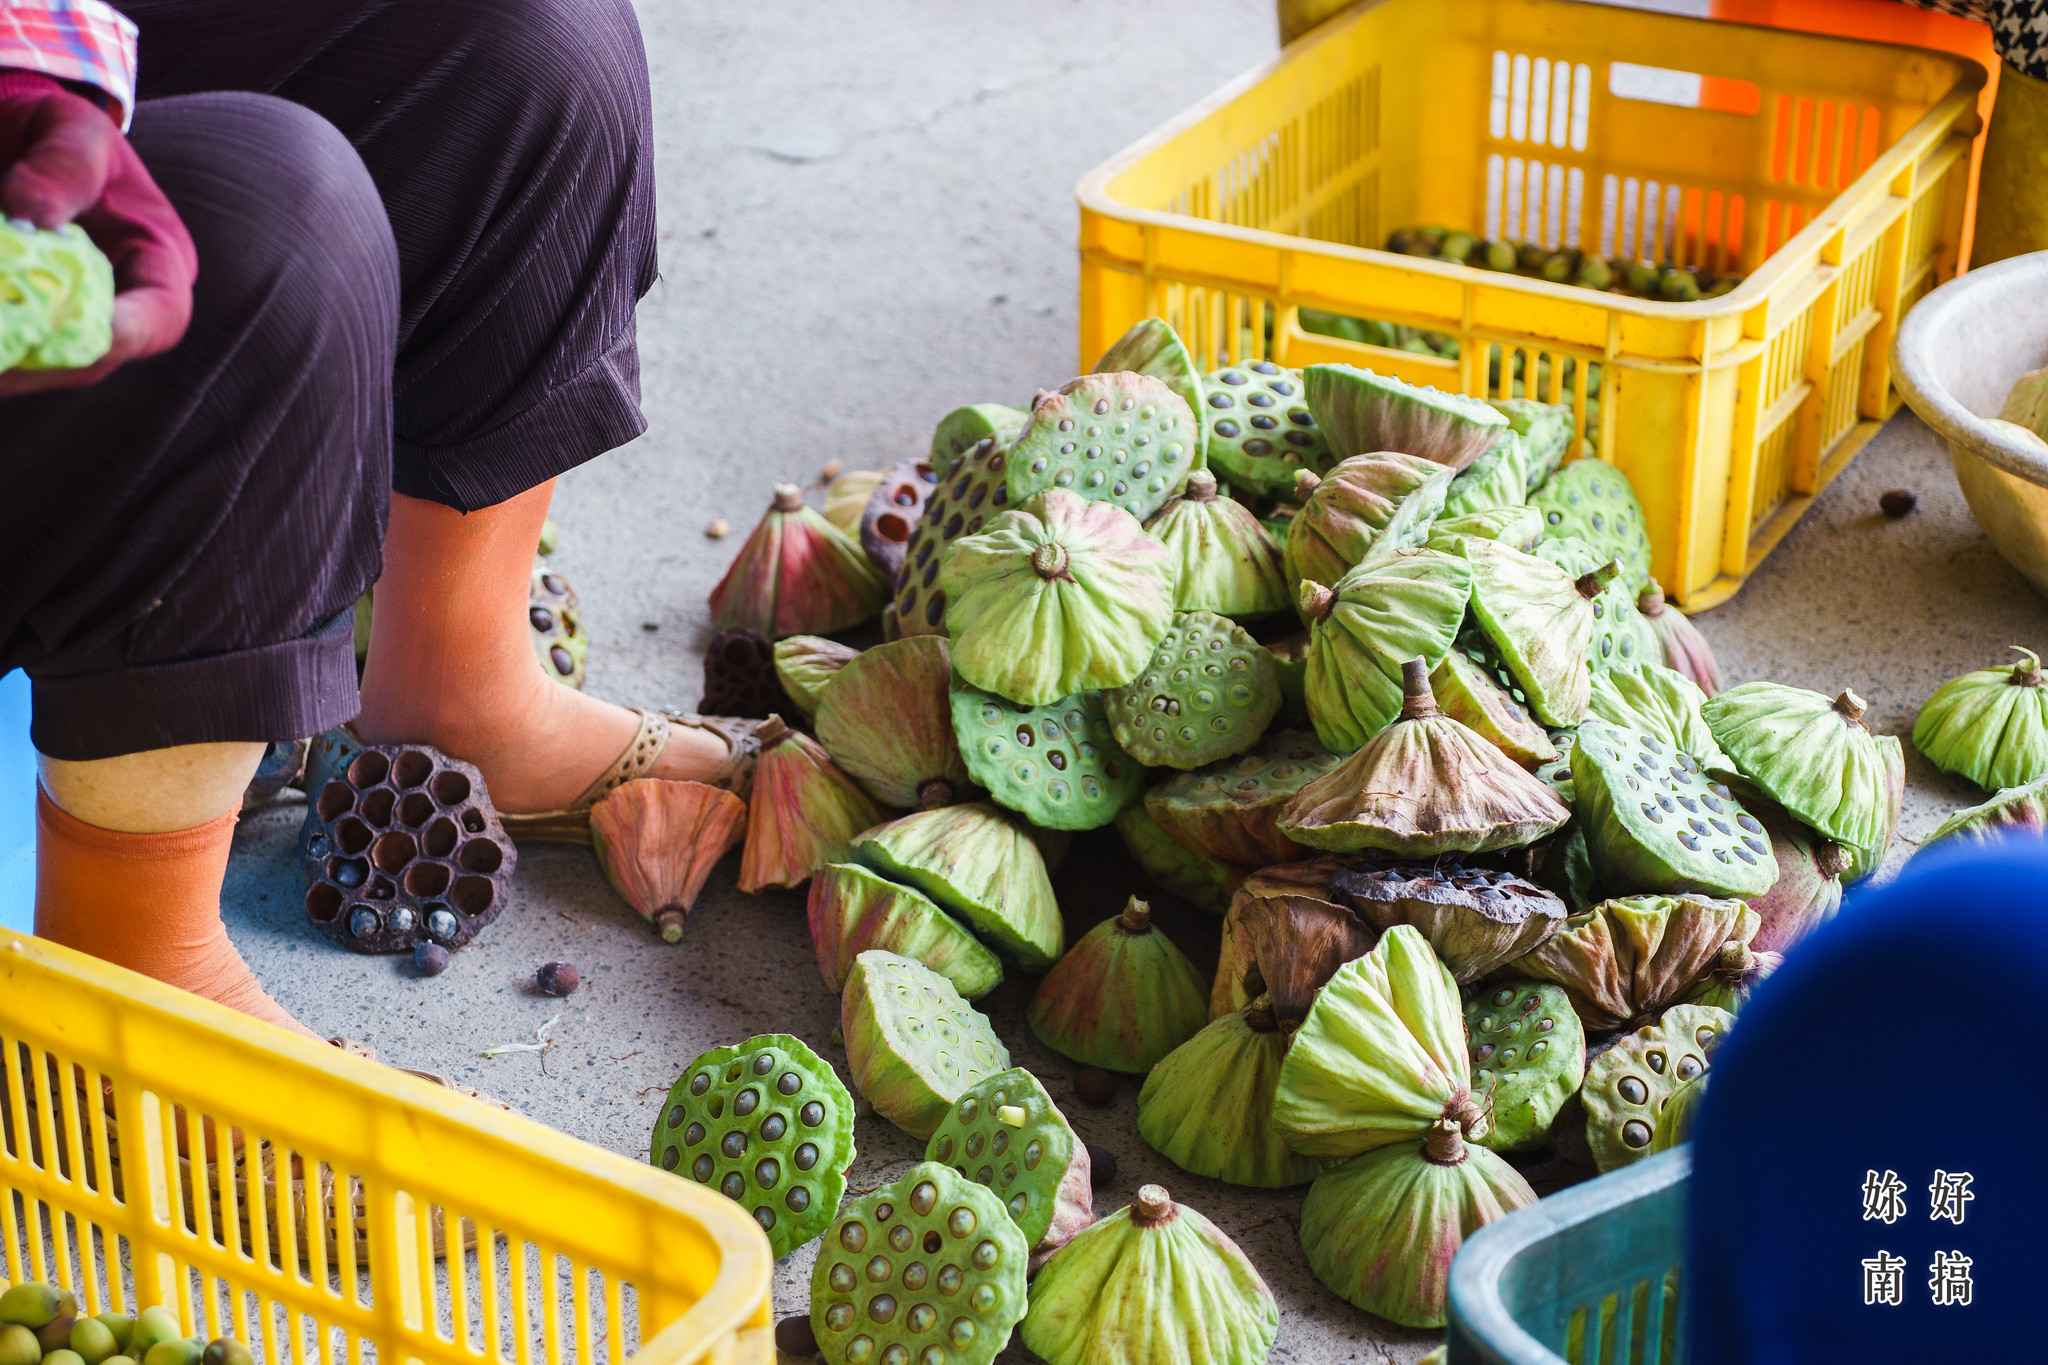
(1208, 1106)
(1224, 560)
(1628, 1085)
(56, 298)
(1388, 610)
(1990, 726)
(1380, 502)
(1626, 960)
(1812, 755)
(658, 840)
(797, 574)
(1122, 998)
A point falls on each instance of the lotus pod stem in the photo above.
(1417, 701)
(1445, 1144)
(1050, 561)
(788, 497)
(1153, 1206)
(1315, 601)
(1201, 487)
(1591, 585)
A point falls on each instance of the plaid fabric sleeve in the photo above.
(87, 42)
(2019, 28)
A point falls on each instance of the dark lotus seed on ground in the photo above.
(1095, 1087)
(794, 1337)
(1898, 502)
(429, 958)
(1101, 1166)
(557, 978)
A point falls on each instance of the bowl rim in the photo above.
(1913, 372)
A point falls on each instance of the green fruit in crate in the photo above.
(1154, 1281)
(1544, 431)
(1423, 787)
(912, 1043)
(852, 909)
(1518, 528)
(31, 1305)
(1594, 501)
(1060, 596)
(1467, 693)
(930, 1269)
(1230, 811)
(1538, 623)
(768, 1124)
(1677, 286)
(122, 1325)
(1386, 501)
(1620, 634)
(1207, 1107)
(1203, 882)
(797, 574)
(1122, 998)
(1224, 560)
(1005, 1132)
(1681, 1111)
(56, 298)
(886, 719)
(1681, 645)
(2017, 812)
(1154, 349)
(153, 1326)
(1124, 439)
(227, 1351)
(1627, 959)
(63, 1356)
(1737, 971)
(1989, 727)
(18, 1345)
(1364, 628)
(1056, 765)
(975, 490)
(1528, 1054)
(93, 1340)
(1655, 700)
(979, 864)
(1381, 1231)
(1497, 479)
(1498, 256)
(1812, 755)
(1593, 273)
(1628, 1085)
(1260, 430)
(177, 1351)
(1476, 919)
(805, 663)
(1457, 246)
(1209, 692)
(1655, 821)
(1361, 410)
(962, 429)
(1641, 278)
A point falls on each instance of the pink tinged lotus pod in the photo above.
(1366, 504)
(1122, 998)
(797, 574)
(1808, 891)
(1685, 649)
(803, 812)
(852, 909)
(658, 840)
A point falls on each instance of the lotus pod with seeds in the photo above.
(739, 676)
(1124, 439)
(1207, 1107)
(1528, 1058)
(558, 639)
(1989, 727)
(1380, 1057)
(768, 1124)
(1230, 810)
(1680, 644)
(1594, 501)
(979, 864)
(1475, 918)
(894, 509)
(1154, 349)
(846, 499)
(56, 297)
(1154, 1281)
(1285, 935)
(802, 812)
(1680, 1112)
(797, 574)
(1620, 634)
(1659, 701)
(928, 1269)
(1545, 432)
(1361, 410)
(887, 719)
(974, 490)
(2016, 813)
(1628, 1085)
(1625, 960)
(1364, 629)
(1737, 971)
(1518, 528)
(1259, 427)
(1655, 821)
(1202, 881)
(1811, 754)
(1808, 891)
(803, 665)
(913, 1044)
(1424, 786)
(1005, 1132)
(1122, 998)
(657, 840)
(1383, 501)
(1467, 693)
(1539, 623)
(1224, 559)
(1057, 597)
(1380, 1232)
(1557, 773)
(852, 909)
(1208, 693)
(1497, 479)
(1057, 765)
(962, 429)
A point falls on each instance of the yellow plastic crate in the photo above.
(1830, 172)
(580, 1254)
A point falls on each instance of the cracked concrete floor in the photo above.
(867, 219)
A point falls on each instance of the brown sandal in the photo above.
(571, 824)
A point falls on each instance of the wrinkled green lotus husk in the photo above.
(1467, 693)
(846, 499)
(1029, 1155)
(1680, 1112)
(1593, 501)
(1124, 439)
(852, 909)
(1058, 765)
(2017, 812)
(1395, 607)
(1620, 634)
(1291, 655)
(1362, 410)
(797, 574)
(1155, 1281)
(913, 1044)
(1528, 1058)
(1681, 645)
(1655, 821)
(1202, 881)
(1380, 1057)
(1628, 1085)
(1497, 479)
(1207, 1107)
(1809, 753)
(1380, 1232)
(1865, 860)
(1627, 959)
(1475, 918)
(1546, 431)
(1224, 560)
(805, 663)
(1059, 596)
(1538, 626)
(1208, 693)
(1230, 810)
(960, 430)
(1153, 348)
(886, 718)
(1735, 975)
(1122, 998)
(1989, 727)
(1519, 528)
(802, 813)
(1385, 501)
(1808, 891)
(56, 298)
(1658, 701)
(980, 864)
(1285, 935)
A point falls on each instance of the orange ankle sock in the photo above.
(147, 902)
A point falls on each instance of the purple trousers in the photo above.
(422, 229)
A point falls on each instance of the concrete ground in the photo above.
(868, 219)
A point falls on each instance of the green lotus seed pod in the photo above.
(1519, 528)
(1364, 411)
(1207, 1107)
(1230, 811)
(1989, 727)
(56, 298)
(1620, 634)
(1655, 700)
(18, 1345)
(1538, 623)
(1811, 755)
(30, 1304)
(1626, 960)
(1202, 881)
(1476, 919)
(1594, 502)
(1467, 693)
(1122, 998)
(2017, 812)
(1384, 501)
(1224, 559)
(979, 864)
(176, 1351)
(805, 663)
(1365, 627)
(1628, 1085)
(1528, 1054)
(886, 719)
(930, 1269)
(1057, 765)
(1006, 1133)
(1655, 821)
(1260, 429)
(976, 489)
(1557, 773)
(1208, 693)
(1153, 348)
(1124, 439)
(852, 909)
(93, 1340)
(1497, 479)
(1126, 1289)
(912, 1044)
(1545, 431)
(962, 429)
(1866, 859)
(1681, 1109)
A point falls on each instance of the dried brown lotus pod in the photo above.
(797, 574)
(1228, 810)
(657, 840)
(739, 677)
(1283, 936)
(1685, 650)
(803, 812)
(1625, 960)
(887, 719)
(1476, 918)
